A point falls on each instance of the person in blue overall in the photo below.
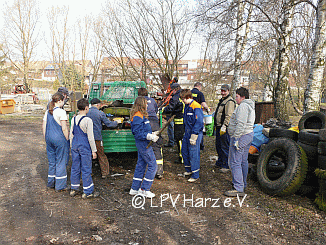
(55, 132)
(141, 129)
(152, 110)
(83, 148)
(199, 97)
(194, 124)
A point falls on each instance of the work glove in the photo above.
(236, 144)
(193, 139)
(152, 137)
(156, 133)
(223, 130)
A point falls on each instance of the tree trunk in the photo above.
(269, 86)
(241, 40)
(281, 106)
(317, 64)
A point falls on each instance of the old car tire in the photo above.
(309, 137)
(312, 120)
(294, 174)
(310, 150)
(280, 132)
(322, 134)
(322, 148)
(322, 162)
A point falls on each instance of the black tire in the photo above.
(294, 174)
(312, 120)
(322, 148)
(308, 137)
(253, 158)
(311, 152)
(308, 191)
(252, 172)
(322, 134)
(322, 162)
(280, 132)
(322, 189)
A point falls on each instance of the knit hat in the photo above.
(225, 87)
(95, 101)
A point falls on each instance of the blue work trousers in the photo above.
(81, 155)
(146, 158)
(57, 150)
(191, 155)
(81, 164)
(222, 144)
(238, 161)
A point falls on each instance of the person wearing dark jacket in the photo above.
(98, 117)
(176, 107)
(223, 113)
(152, 110)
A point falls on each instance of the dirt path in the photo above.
(31, 214)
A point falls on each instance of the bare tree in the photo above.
(84, 30)
(59, 40)
(96, 47)
(20, 35)
(156, 35)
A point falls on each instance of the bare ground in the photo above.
(31, 214)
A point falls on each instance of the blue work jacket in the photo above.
(193, 119)
(98, 117)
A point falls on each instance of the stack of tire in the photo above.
(321, 171)
(287, 163)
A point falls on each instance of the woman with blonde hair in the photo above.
(142, 132)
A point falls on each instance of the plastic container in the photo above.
(208, 119)
(7, 106)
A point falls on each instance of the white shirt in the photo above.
(58, 114)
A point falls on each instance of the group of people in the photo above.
(234, 134)
(84, 141)
(233, 125)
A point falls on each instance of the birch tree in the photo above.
(281, 107)
(317, 65)
(20, 35)
(240, 43)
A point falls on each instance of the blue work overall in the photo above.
(140, 127)
(194, 124)
(58, 152)
(81, 155)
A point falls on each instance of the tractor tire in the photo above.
(322, 148)
(280, 132)
(309, 137)
(311, 152)
(294, 174)
(312, 120)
